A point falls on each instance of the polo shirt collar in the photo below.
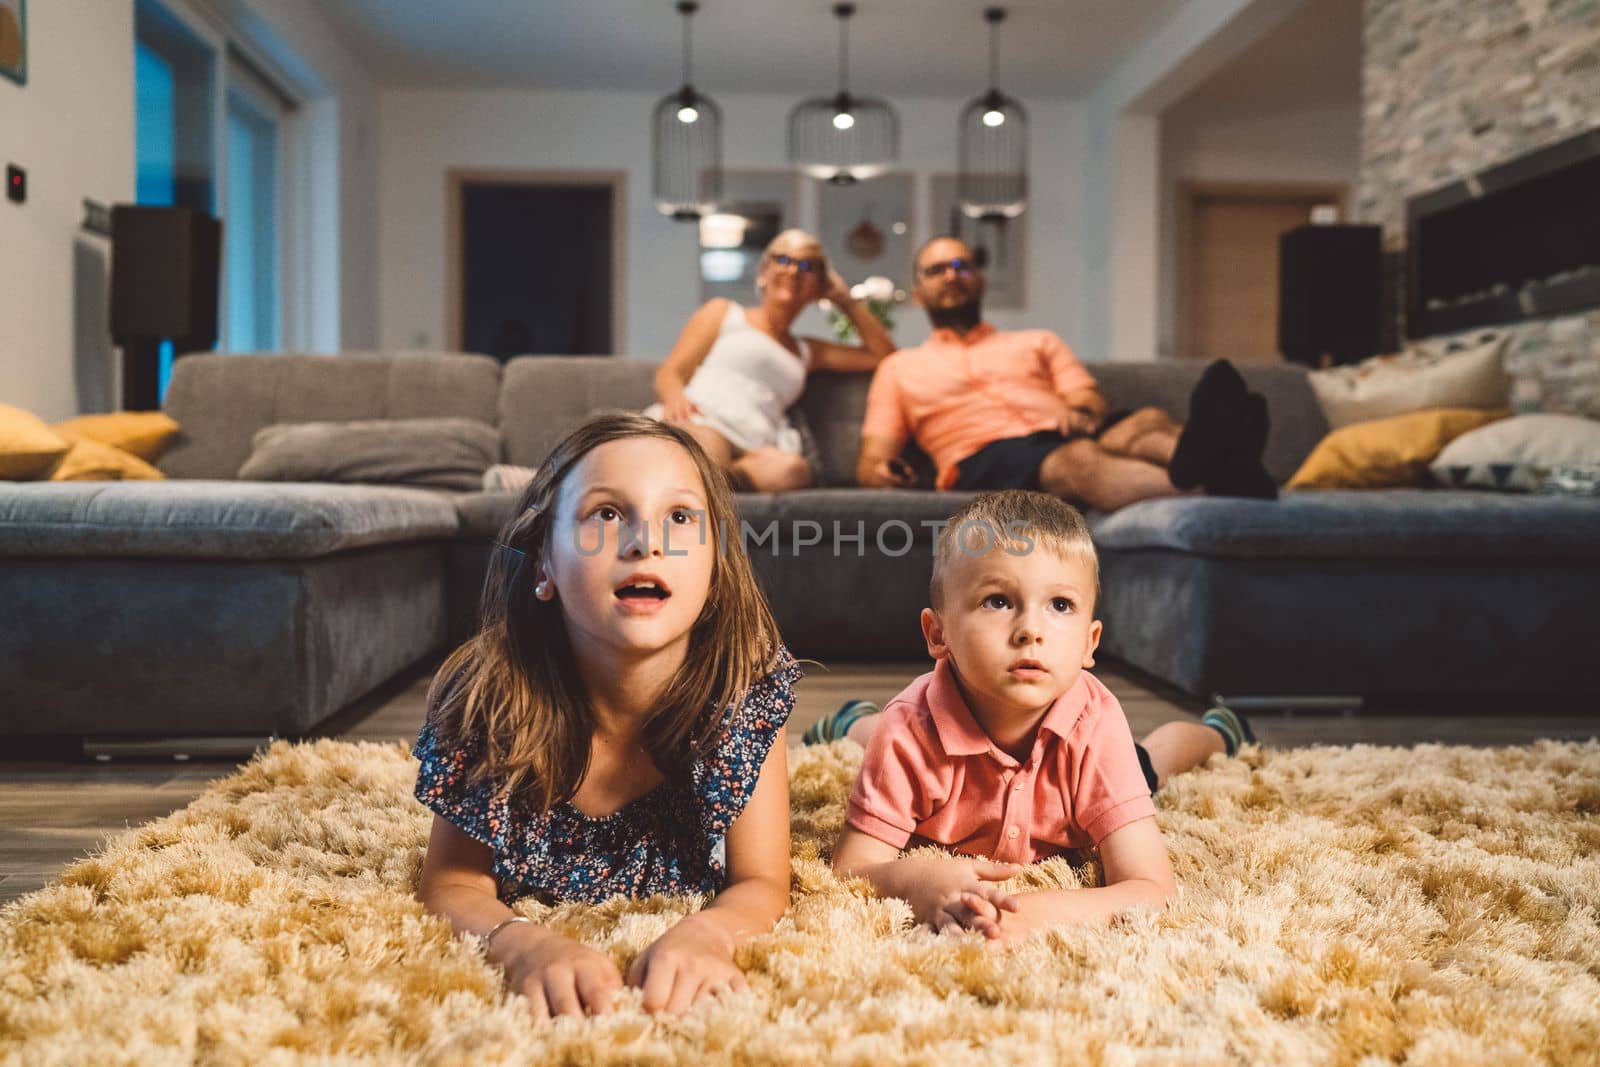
(980, 332)
(958, 729)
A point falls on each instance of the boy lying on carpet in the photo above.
(575, 750)
(1008, 752)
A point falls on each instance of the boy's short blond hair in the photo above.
(1013, 520)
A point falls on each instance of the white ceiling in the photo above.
(1048, 48)
(1309, 62)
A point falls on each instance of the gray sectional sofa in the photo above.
(208, 607)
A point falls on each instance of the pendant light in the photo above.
(844, 138)
(686, 144)
(993, 179)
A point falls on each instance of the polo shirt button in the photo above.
(1017, 788)
(1012, 832)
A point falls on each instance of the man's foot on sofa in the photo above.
(1215, 408)
(836, 725)
(1239, 471)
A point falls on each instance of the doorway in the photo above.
(536, 261)
(1228, 264)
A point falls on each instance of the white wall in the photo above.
(425, 133)
(1321, 146)
(71, 127)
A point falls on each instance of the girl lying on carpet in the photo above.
(1008, 752)
(574, 750)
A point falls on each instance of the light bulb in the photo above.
(993, 117)
(843, 120)
(687, 115)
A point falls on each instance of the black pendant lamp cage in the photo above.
(844, 138)
(686, 143)
(992, 184)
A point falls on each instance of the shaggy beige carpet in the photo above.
(1360, 905)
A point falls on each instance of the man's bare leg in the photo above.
(1083, 470)
(1149, 434)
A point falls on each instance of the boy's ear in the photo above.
(933, 634)
(1095, 630)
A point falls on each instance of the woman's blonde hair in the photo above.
(513, 690)
(793, 234)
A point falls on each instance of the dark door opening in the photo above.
(536, 268)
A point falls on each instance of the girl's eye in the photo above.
(998, 601)
(606, 513)
(1061, 603)
(682, 516)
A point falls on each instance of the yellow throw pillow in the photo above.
(1388, 452)
(144, 433)
(93, 461)
(28, 448)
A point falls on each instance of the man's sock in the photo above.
(1234, 728)
(1215, 405)
(1239, 470)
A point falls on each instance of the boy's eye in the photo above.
(997, 601)
(1061, 603)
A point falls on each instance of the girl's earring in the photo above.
(543, 590)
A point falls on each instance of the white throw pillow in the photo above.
(1424, 376)
(1519, 453)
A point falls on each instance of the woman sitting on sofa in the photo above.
(735, 371)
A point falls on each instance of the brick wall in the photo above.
(1451, 87)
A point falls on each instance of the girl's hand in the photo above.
(558, 975)
(689, 961)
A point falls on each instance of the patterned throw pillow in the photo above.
(1526, 453)
(1425, 376)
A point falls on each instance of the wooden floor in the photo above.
(53, 810)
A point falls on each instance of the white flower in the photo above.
(876, 287)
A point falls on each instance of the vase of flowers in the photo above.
(877, 293)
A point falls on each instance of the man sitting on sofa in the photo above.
(1017, 410)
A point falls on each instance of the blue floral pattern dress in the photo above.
(671, 840)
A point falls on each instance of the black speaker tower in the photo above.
(165, 270)
(1328, 293)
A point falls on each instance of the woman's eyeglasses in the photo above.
(949, 266)
(804, 266)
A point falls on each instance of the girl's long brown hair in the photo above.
(513, 690)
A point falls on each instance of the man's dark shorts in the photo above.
(1013, 463)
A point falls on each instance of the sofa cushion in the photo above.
(483, 514)
(449, 453)
(221, 401)
(214, 520)
(1385, 453)
(1359, 524)
(544, 398)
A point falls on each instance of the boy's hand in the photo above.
(689, 961)
(558, 975)
(955, 893)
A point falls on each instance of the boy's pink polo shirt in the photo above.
(932, 774)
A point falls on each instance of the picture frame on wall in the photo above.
(756, 206)
(14, 40)
(865, 228)
(1000, 247)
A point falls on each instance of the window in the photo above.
(210, 137)
(250, 257)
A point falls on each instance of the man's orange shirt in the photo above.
(956, 394)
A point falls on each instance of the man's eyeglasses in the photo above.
(804, 266)
(949, 266)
